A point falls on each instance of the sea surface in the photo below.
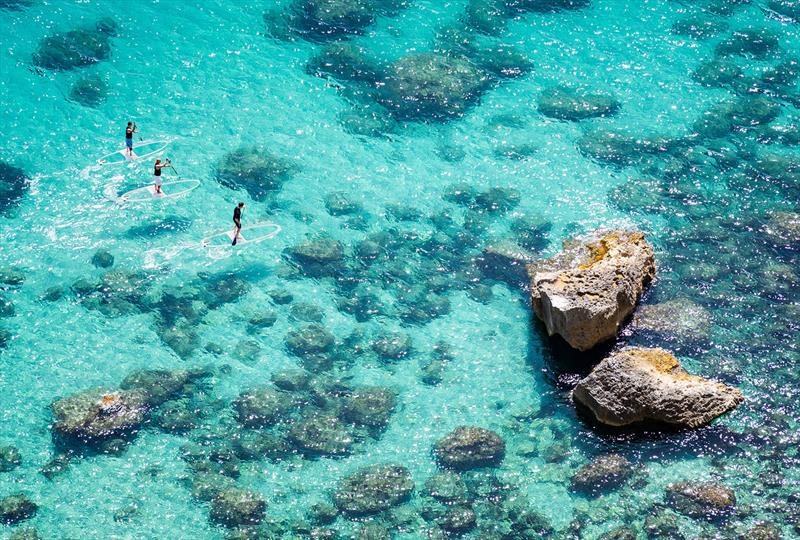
(702, 169)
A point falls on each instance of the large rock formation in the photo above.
(649, 385)
(586, 292)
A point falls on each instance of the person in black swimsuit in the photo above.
(129, 131)
(157, 174)
(237, 222)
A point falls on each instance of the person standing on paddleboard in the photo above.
(237, 222)
(129, 131)
(157, 174)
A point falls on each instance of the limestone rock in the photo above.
(649, 385)
(586, 292)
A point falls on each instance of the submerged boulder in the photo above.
(698, 27)
(531, 232)
(392, 346)
(13, 184)
(89, 91)
(177, 417)
(371, 407)
(469, 447)
(431, 86)
(322, 434)
(10, 458)
(755, 42)
(256, 444)
(704, 500)
(565, 103)
(102, 258)
(717, 72)
(619, 533)
(586, 292)
(789, 9)
(446, 486)
(488, 17)
(97, 415)
(346, 62)
(161, 385)
(340, 203)
(745, 113)
(16, 508)
(374, 489)
(604, 473)
(15, 5)
(318, 257)
(326, 20)
(502, 61)
(312, 339)
(496, 199)
(637, 385)
(544, 6)
(73, 49)
(235, 507)
(262, 406)
(458, 520)
(784, 227)
(255, 170)
(612, 147)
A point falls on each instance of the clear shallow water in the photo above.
(209, 78)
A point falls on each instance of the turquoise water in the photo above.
(211, 79)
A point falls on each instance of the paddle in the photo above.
(173, 168)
